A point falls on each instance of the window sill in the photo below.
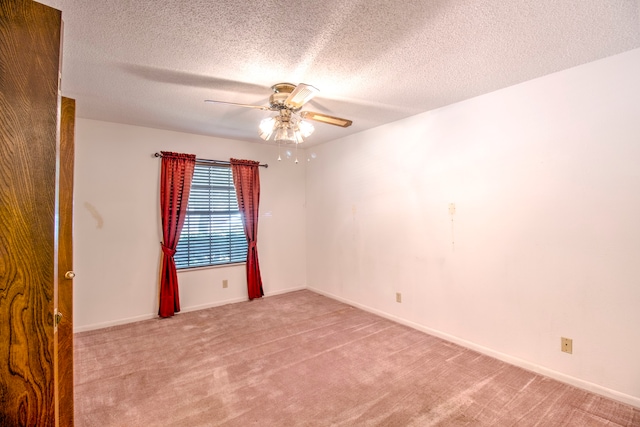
(208, 267)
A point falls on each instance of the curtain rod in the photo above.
(214, 162)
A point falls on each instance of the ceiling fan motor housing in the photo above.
(280, 94)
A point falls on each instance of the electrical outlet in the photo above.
(398, 297)
(566, 345)
(225, 283)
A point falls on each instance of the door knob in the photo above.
(69, 275)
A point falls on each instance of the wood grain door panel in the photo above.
(65, 262)
(30, 35)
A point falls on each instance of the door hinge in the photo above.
(57, 317)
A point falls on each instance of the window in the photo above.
(212, 232)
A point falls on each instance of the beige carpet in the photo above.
(301, 359)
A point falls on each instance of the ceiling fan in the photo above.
(289, 126)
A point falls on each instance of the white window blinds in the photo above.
(212, 232)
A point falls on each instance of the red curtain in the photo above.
(175, 184)
(247, 182)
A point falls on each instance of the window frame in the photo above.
(212, 212)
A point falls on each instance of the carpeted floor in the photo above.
(301, 359)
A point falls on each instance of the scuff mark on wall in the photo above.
(95, 214)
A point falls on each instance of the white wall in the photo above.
(545, 177)
(117, 230)
(545, 242)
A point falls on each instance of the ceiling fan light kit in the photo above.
(288, 126)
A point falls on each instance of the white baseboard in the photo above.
(576, 382)
(142, 317)
(116, 322)
(284, 291)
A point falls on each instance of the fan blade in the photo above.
(319, 117)
(300, 96)
(259, 107)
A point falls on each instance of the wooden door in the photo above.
(30, 35)
(65, 263)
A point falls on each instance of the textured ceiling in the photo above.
(153, 63)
